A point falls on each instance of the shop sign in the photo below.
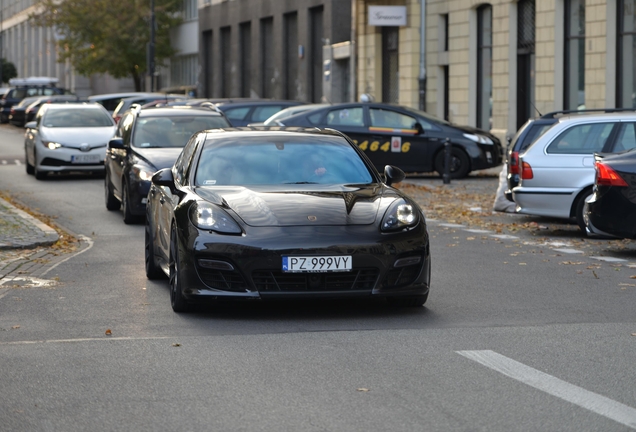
(387, 16)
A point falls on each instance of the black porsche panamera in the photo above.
(261, 213)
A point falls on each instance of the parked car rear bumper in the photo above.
(549, 202)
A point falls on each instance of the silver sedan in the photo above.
(67, 138)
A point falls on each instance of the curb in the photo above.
(19, 229)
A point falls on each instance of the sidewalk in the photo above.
(19, 229)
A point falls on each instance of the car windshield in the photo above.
(76, 117)
(280, 160)
(172, 131)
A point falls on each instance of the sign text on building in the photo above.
(387, 15)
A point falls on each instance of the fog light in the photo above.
(409, 261)
(215, 265)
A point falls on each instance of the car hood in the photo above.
(474, 131)
(317, 206)
(159, 158)
(74, 137)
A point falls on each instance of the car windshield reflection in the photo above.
(259, 161)
(171, 132)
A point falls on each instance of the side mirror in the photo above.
(31, 125)
(393, 174)
(164, 177)
(116, 143)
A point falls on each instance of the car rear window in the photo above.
(535, 132)
(172, 131)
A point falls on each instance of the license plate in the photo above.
(316, 264)
(90, 158)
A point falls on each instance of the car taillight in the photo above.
(513, 168)
(526, 171)
(606, 176)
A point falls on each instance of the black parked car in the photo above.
(407, 138)
(26, 110)
(271, 213)
(242, 113)
(27, 87)
(530, 131)
(611, 210)
(148, 140)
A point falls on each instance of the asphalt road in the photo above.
(518, 334)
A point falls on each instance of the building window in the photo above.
(184, 70)
(626, 68)
(246, 58)
(267, 59)
(190, 10)
(390, 64)
(226, 63)
(484, 67)
(574, 54)
(525, 60)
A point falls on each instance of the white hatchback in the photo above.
(557, 170)
(67, 138)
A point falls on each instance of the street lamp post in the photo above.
(151, 47)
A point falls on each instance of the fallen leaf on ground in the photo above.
(594, 273)
(15, 327)
(626, 284)
(176, 344)
(362, 389)
(633, 277)
(108, 332)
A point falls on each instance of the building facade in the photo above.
(494, 64)
(33, 51)
(279, 49)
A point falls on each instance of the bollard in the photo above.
(447, 161)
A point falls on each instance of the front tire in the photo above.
(177, 299)
(153, 271)
(459, 164)
(129, 218)
(112, 203)
(30, 169)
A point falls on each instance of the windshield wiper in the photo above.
(301, 182)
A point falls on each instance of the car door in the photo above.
(400, 139)
(117, 156)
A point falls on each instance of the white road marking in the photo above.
(100, 339)
(17, 162)
(504, 236)
(478, 231)
(594, 402)
(608, 259)
(450, 225)
(568, 251)
(84, 239)
(4, 162)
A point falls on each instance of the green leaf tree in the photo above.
(109, 36)
(8, 71)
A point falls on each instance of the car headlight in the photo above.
(481, 139)
(400, 215)
(143, 172)
(211, 217)
(52, 145)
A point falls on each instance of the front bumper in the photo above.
(549, 202)
(62, 159)
(253, 263)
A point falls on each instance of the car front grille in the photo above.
(226, 280)
(277, 281)
(60, 163)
